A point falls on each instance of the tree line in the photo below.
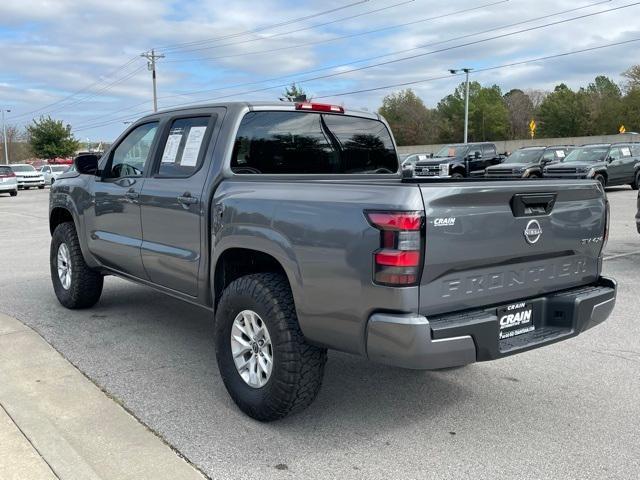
(44, 138)
(600, 108)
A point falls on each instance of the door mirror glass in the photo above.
(86, 164)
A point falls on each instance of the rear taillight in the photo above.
(7, 175)
(398, 261)
(607, 220)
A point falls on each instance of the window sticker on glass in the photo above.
(192, 146)
(422, 157)
(171, 148)
(626, 152)
(560, 153)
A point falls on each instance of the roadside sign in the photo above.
(622, 129)
(532, 127)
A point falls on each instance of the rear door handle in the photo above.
(186, 199)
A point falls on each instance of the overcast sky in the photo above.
(79, 61)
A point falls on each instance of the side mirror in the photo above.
(87, 164)
(431, 155)
(476, 155)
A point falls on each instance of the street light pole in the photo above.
(466, 101)
(4, 136)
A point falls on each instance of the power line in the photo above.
(84, 89)
(479, 70)
(346, 64)
(388, 62)
(260, 29)
(301, 29)
(426, 80)
(342, 37)
(322, 41)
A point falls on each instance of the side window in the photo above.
(550, 155)
(635, 150)
(488, 151)
(183, 150)
(475, 150)
(132, 155)
(615, 154)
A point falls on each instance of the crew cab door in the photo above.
(172, 207)
(616, 165)
(489, 156)
(115, 232)
(476, 160)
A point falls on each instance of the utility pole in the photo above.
(4, 136)
(466, 101)
(151, 65)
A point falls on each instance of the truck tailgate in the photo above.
(496, 242)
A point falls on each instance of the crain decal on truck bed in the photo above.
(513, 278)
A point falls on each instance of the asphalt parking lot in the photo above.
(570, 410)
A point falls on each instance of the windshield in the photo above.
(59, 168)
(587, 154)
(524, 156)
(413, 159)
(22, 168)
(452, 151)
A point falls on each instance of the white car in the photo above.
(27, 176)
(8, 182)
(52, 172)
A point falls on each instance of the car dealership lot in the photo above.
(569, 410)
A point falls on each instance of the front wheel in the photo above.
(457, 176)
(601, 179)
(636, 181)
(74, 283)
(265, 363)
(40, 187)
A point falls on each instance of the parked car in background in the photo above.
(459, 161)
(51, 172)
(527, 162)
(8, 181)
(414, 158)
(610, 164)
(27, 176)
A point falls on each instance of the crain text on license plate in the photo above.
(515, 319)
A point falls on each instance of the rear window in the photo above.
(308, 143)
(5, 170)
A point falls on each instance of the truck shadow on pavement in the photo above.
(156, 354)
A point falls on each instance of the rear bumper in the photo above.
(8, 187)
(413, 341)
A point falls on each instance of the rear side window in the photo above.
(489, 150)
(184, 147)
(312, 143)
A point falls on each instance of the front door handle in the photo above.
(132, 195)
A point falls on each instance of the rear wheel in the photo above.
(601, 179)
(13, 193)
(636, 181)
(26, 188)
(40, 187)
(74, 283)
(265, 363)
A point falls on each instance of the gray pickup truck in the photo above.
(294, 226)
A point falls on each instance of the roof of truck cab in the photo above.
(260, 105)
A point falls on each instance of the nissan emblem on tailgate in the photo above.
(532, 232)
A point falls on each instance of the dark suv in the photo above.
(459, 160)
(610, 164)
(528, 162)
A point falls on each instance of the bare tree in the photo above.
(521, 112)
(536, 97)
(17, 145)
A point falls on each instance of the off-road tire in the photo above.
(298, 367)
(86, 283)
(601, 179)
(636, 181)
